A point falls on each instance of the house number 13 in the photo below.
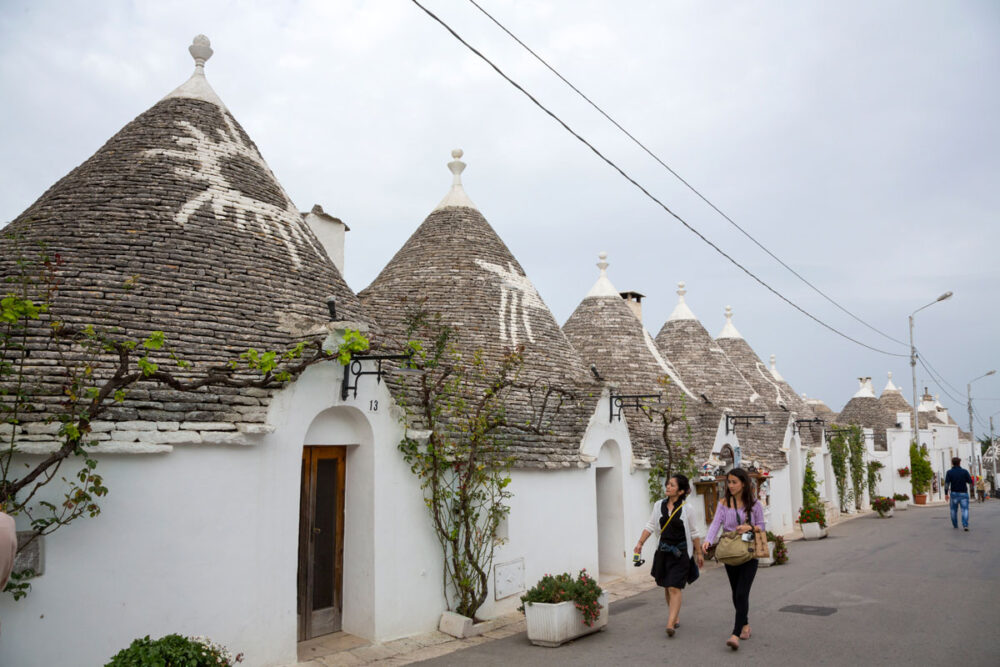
(373, 406)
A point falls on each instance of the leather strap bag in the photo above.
(732, 550)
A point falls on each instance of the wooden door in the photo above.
(321, 541)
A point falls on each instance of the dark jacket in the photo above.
(958, 479)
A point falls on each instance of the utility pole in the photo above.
(972, 432)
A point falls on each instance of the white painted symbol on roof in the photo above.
(517, 297)
(285, 223)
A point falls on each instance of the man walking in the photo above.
(959, 481)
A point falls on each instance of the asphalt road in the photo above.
(907, 590)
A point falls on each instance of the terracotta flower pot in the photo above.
(919, 498)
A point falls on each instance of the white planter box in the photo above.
(887, 515)
(812, 531)
(555, 624)
(769, 561)
(902, 504)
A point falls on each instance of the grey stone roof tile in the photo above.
(181, 200)
(608, 335)
(456, 265)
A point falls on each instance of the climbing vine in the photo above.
(675, 457)
(856, 445)
(459, 448)
(839, 453)
(874, 476)
(91, 370)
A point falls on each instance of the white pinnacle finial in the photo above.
(681, 310)
(456, 196)
(200, 50)
(603, 286)
(890, 385)
(774, 368)
(197, 87)
(729, 330)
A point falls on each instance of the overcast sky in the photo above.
(857, 141)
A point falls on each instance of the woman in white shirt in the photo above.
(678, 545)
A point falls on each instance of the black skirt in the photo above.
(670, 570)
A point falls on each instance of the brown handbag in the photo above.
(760, 548)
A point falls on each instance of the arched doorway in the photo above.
(610, 513)
(331, 500)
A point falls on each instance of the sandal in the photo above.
(733, 643)
(670, 632)
(745, 634)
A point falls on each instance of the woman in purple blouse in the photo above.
(732, 514)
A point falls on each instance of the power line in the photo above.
(937, 382)
(953, 388)
(635, 183)
(678, 176)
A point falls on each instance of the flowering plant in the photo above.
(904, 471)
(175, 650)
(812, 515)
(882, 504)
(900, 496)
(583, 591)
(780, 550)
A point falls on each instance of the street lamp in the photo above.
(972, 432)
(992, 451)
(913, 364)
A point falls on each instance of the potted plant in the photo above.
(921, 473)
(813, 522)
(768, 560)
(175, 650)
(902, 501)
(883, 505)
(560, 608)
(812, 518)
(904, 471)
(777, 551)
(780, 550)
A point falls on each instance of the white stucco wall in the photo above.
(204, 541)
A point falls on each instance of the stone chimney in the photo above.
(330, 231)
(634, 301)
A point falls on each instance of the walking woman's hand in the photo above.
(638, 548)
(704, 547)
(699, 559)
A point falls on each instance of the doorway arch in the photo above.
(610, 512)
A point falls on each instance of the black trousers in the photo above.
(740, 581)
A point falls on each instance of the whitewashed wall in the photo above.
(204, 541)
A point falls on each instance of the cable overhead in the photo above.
(950, 385)
(679, 177)
(646, 192)
(940, 384)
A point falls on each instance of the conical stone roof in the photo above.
(892, 399)
(607, 334)
(456, 265)
(761, 441)
(867, 411)
(702, 364)
(181, 204)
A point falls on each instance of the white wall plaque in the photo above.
(508, 578)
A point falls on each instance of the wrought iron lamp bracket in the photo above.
(798, 422)
(621, 401)
(354, 370)
(732, 421)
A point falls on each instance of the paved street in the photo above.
(908, 590)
